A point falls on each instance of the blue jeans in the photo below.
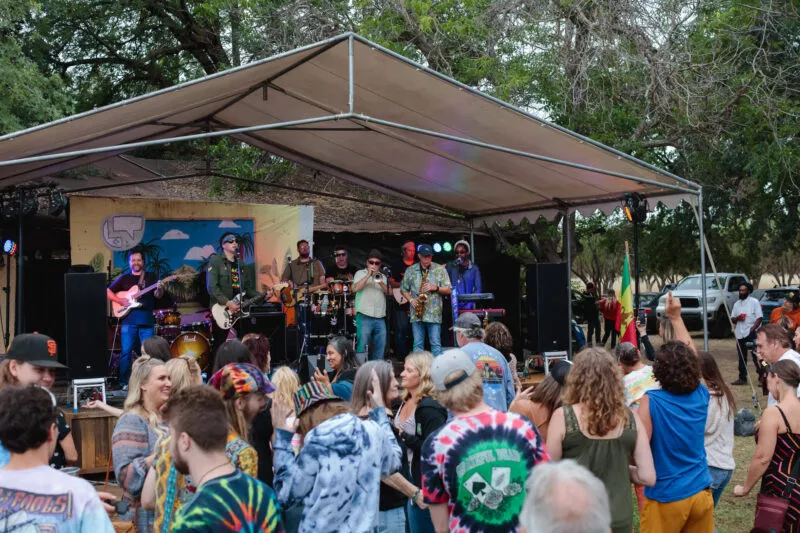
(720, 478)
(129, 334)
(419, 520)
(372, 333)
(392, 521)
(434, 331)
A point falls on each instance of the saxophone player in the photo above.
(424, 284)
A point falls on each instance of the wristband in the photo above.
(414, 498)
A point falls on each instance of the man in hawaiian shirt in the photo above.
(437, 284)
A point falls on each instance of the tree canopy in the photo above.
(707, 89)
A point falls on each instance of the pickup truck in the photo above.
(689, 292)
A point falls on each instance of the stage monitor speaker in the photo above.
(274, 327)
(548, 308)
(86, 325)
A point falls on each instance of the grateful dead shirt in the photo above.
(478, 466)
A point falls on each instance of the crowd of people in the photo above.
(454, 444)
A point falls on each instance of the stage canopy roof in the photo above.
(351, 108)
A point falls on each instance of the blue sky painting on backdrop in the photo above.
(187, 242)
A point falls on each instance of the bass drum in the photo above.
(193, 344)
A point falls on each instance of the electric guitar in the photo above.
(226, 319)
(132, 295)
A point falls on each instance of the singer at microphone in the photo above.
(464, 274)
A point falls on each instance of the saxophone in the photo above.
(422, 297)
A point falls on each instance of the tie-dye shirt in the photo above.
(236, 502)
(478, 466)
(171, 486)
(337, 474)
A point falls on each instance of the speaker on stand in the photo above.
(85, 316)
(549, 329)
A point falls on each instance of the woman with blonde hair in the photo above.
(595, 428)
(137, 432)
(419, 416)
(166, 497)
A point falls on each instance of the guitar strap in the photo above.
(141, 280)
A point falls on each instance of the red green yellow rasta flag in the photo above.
(627, 322)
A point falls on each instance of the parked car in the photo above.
(689, 292)
(773, 298)
(648, 301)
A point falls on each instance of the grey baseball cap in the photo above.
(467, 321)
(448, 362)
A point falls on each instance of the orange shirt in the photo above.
(778, 313)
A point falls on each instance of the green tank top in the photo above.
(608, 460)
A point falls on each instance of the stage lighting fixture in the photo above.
(437, 247)
(447, 247)
(635, 207)
(9, 247)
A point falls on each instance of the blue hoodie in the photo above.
(337, 474)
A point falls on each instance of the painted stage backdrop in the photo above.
(178, 238)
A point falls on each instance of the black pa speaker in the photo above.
(273, 326)
(86, 329)
(548, 308)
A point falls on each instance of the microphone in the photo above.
(459, 261)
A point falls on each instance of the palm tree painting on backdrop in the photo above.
(183, 247)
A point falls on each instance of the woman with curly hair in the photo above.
(595, 428)
(675, 419)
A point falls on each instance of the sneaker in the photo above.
(739, 382)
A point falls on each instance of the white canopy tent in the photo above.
(353, 109)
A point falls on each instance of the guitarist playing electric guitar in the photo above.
(226, 279)
(137, 324)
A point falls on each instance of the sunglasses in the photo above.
(340, 255)
(232, 240)
(374, 262)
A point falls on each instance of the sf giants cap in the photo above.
(36, 349)
(448, 362)
(425, 250)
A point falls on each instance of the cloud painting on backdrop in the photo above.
(184, 246)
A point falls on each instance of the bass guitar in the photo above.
(132, 295)
(226, 319)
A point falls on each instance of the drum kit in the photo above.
(325, 313)
(185, 339)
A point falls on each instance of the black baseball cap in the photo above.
(35, 349)
(425, 250)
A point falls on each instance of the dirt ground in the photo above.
(732, 515)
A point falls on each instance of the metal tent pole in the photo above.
(351, 97)
(568, 244)
(704, 302)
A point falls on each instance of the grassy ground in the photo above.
(732, 515)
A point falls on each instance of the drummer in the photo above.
(341, 269)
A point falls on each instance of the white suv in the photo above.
(689, 292)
